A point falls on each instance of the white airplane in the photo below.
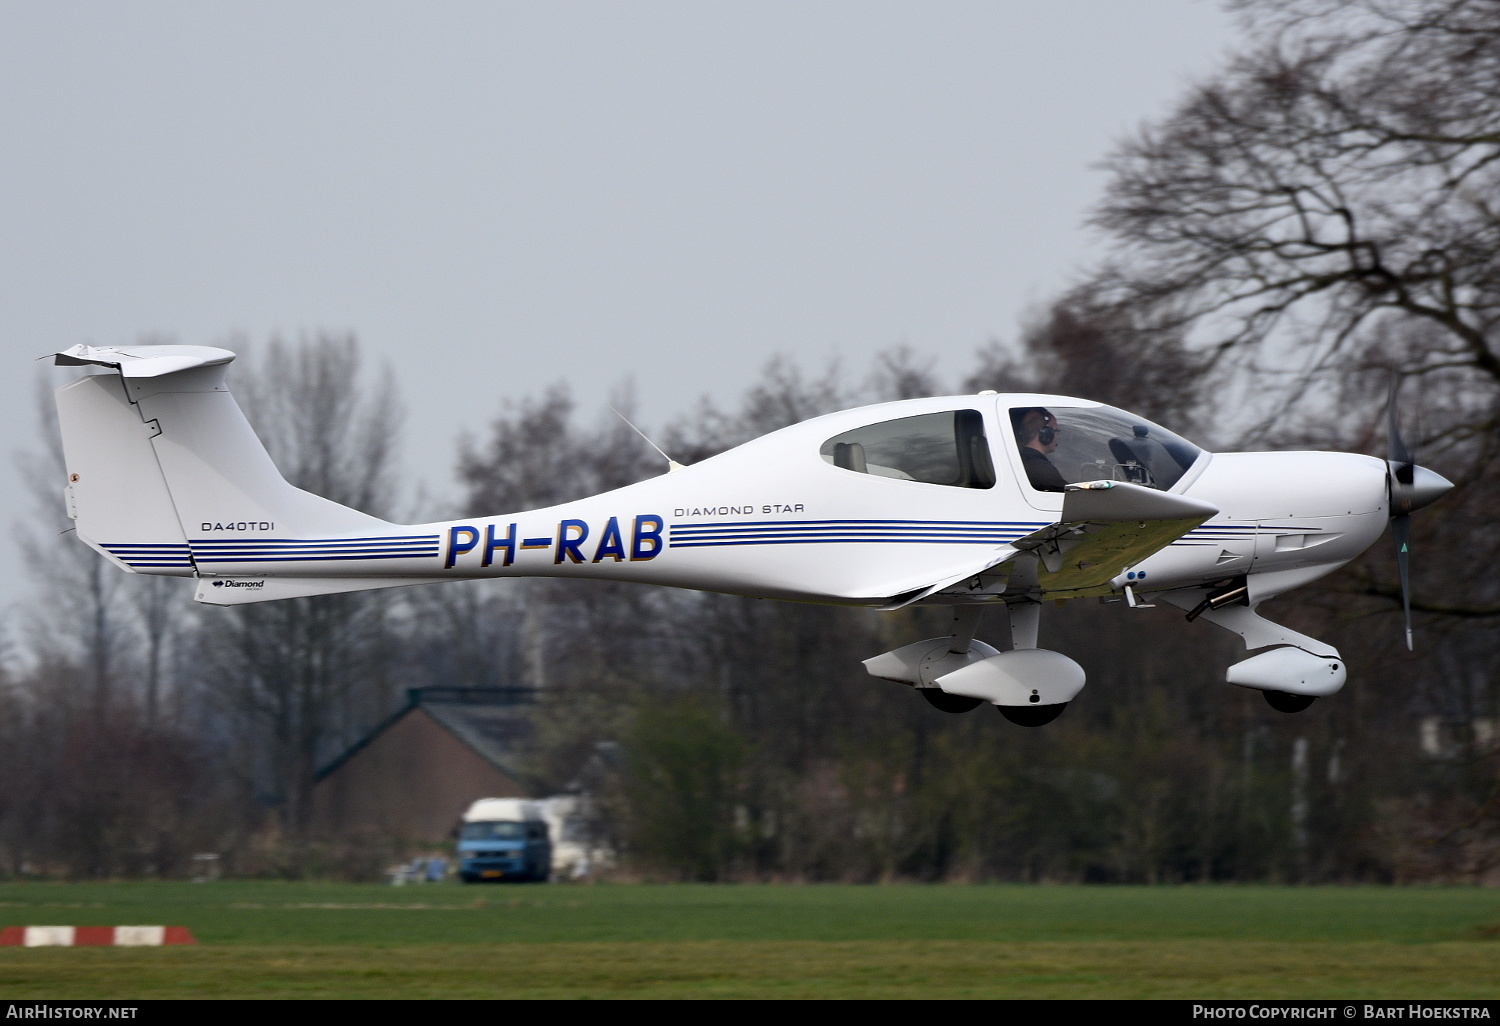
(973, 501)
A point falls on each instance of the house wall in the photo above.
(413, 782)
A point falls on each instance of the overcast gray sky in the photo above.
(495, 196)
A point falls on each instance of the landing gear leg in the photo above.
(1025, 620)
(965, 623)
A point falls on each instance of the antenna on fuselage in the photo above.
(672, 465)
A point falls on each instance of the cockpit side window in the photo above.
(1064, 445)
(947, 448)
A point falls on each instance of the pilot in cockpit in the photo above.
(1036, 432)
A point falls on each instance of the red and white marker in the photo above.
(94, 936)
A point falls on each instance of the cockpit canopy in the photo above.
(1065, 445)
(1059, 446)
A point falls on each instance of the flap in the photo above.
(980, 579)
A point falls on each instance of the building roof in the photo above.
(494, 722)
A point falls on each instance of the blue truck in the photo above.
(504, 839)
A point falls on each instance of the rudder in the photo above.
(116, 493)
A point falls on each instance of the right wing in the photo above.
(1106, 526)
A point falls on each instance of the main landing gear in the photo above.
(939, 699)
(957, 674)
(1021, 715)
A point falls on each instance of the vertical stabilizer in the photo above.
(220, 474)
(161, 458)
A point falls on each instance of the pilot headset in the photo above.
(1047, 432)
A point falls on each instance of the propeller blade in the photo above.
(1396, 450)
(1409, 487)
(1401, 532)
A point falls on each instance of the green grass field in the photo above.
(445, 940)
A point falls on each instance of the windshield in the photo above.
(493, 832)
(1063, 446)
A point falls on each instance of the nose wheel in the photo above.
(1032, 715)
(1285, 701)
(939, 699)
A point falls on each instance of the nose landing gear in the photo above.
(1032, 715)
(1285, 701)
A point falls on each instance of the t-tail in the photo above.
(166, 476)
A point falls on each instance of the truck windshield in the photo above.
(493, 832)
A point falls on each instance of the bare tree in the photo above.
(1322, 213)
(535, 455)
(1079, 347)
(785, 394)
(99, 783)
(1341, 172)
(902, 373)
(328, 431)
(81, 614)
(297, 679)
(1317, 216)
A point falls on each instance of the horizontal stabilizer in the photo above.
(144, 361)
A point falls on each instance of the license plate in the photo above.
(491, 873)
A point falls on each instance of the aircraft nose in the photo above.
(1427, 487)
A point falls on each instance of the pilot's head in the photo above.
(1036, 428)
